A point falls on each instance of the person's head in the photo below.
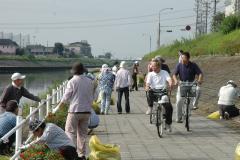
(37, 127)
(104, 68)
(122, 64)
(77, 68)
(185, 57)
(160, 59)
(231, 82)
(12, 106)
(136, 63)
(18, 79)
(180, 52)
(156, 66)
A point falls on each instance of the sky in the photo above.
(122, 27)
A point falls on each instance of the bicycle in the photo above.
(188, 91)
(157, 113)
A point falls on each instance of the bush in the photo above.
(40, 152)
(230, 24)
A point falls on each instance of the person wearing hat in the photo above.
(106, 81)
(134, 76)
(15, 91)
(80, 93)
(122, 84)
(8, 122)
(54, 137)
(228, 96)
(163, 65)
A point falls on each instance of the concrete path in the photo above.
(138, 139)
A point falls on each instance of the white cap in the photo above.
(104, 66)
(114, 68)
(16, 76)
(136, 62)
(122, 64)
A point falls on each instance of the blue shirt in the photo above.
(187, 72)
(106, 81)
(7, 122)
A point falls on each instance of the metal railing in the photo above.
(44, 109)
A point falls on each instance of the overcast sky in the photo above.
(122, 27)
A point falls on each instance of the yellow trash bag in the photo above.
(101, 151)
(237, 152)
(214, 115)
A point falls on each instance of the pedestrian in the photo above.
(134, 76)
(187, 71)
(163, 65)
(122, 84)
(54, 137)
(15, 91)
(8, 122)
(80, 93)
(106, 82)
(180, 52)
(228, 95)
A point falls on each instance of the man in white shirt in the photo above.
(159, 79)
(122, 84)
(228, 96)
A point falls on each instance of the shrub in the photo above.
(230, 24)
(40, 152)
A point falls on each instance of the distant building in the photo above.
(8, 46)
(80, 48)
(39, 49)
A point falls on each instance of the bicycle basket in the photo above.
(188, 89)
(156, 94)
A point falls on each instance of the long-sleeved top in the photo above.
(80, 94)
(228, 95)
(11, 92)
(8, 122)
(123, 78)
(106, 81)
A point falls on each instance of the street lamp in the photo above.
(150, 42)
(159, 27)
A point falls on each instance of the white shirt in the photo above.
(55, 137)
(158, 80)
(80, 93)
(228, 95)
(123, 78)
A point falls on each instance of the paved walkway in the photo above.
(138, 139)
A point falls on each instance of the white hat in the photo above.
(122, 64)
(232, 83)
(114, 68)
(16, 76)
(136, 62)
(104, 66)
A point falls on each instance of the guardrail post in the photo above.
(41, 113)
(49, 105)
(18, 134)
(61, 92)
(31, 110)
(58, 94)
(54, 96)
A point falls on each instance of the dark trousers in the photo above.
(69, 153)
(134, 77)
(5, 147)
(167, 107)
(231, 110)
(120, 93)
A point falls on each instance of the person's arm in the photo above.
(175, 74)
(148, 82)
(67, 94)
(4, 97)
(199, 73)
(29, 95)
(169, 80)
(129, 79)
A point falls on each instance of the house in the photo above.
(39, 49)
(80, 48)
(8, 46)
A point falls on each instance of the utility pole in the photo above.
(20, 37)
(206, 14)
(215, 8)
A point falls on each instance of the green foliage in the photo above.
(211, 44)
(230, 24)
(4, 157)
(58, 48)
(40, 152)
(217, 21)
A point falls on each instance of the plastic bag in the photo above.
(93, 121)
(237, 152)
(214, 115)
(101, 151)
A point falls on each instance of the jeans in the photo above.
(230, 109)
(120, 93)
(196, 99)
(68, 152)
(105, 102)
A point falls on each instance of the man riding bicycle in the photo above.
(187, 72)
(158, 79)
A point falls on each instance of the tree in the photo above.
(217, 21)
(58, 48)
(108, 55)
(20, 51)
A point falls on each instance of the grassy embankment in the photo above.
(211, 44)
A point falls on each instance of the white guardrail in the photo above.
(44, 108)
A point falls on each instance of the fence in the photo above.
(44, 108)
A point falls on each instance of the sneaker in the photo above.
(226, 115)
(221, 118)
(169, 128)
(149, 111)
(194, 108)
(179, 121)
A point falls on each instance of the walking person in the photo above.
(80, 94)
(187, 71)
(16, 91)
(228, 95)
(134, 76)
(106, 82)
(122, 84)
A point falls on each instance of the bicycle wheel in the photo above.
(187, 117)
(159, 123)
